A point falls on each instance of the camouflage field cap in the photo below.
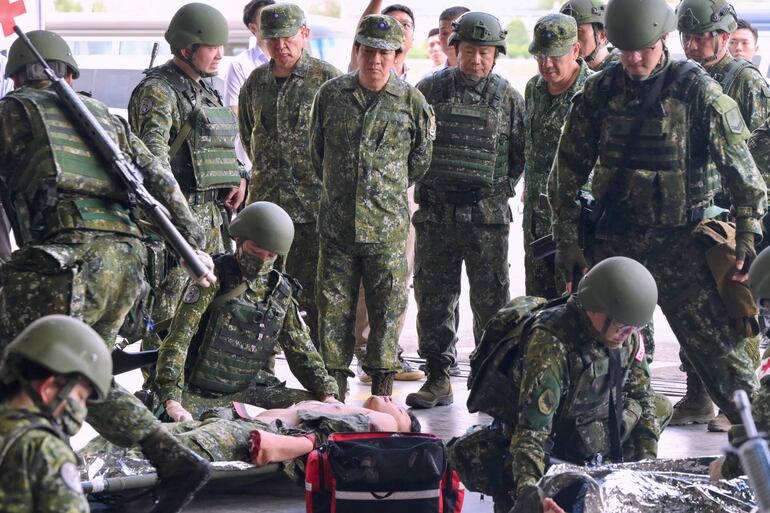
(555, 35)
(280, 20)
(380, 31)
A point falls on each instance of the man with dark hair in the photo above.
(242, 66)
(589, 16)
(445, 20)
(436, 54)
(743, 41)
(405, 17)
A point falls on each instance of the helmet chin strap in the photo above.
(597, 47)
(195, 68)
(712, 58)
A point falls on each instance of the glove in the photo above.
(209, 279)
(569, 257)
(744, 249)
(176, 411)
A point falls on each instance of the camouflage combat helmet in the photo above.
(196, 23)
(50, 45)
(380, 31)
(265, 224)
(280, 20)
(584, 11)
(704, 16)
(64, 345)
(622, 288)
(555, 35)
(759, 276)
(480, 28)
(637, 24)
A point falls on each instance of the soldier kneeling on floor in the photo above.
(582, 381)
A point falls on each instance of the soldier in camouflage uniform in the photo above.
(274, 122)
(654, 184)
(370, 137)
(57, 361)
(223, 338)
(589, 16)
(582, 367)
(463, 199)
(548, 97)
(81, 253)
(180, 117)
(704, 28)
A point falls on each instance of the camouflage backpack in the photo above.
(496, 368)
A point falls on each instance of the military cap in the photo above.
(380, 31)
(555, 35)
(281, 20)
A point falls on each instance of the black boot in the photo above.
(181, 472)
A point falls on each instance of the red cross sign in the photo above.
(8, 11)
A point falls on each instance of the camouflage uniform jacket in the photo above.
(367, 156)
(16, 136)
(304, 361)
(749, 89)
(613, 56)
(491, 208)
(38, 468)
(157, 112)
(274, 120)
(550, 395)
(711, 129)
(545, 114)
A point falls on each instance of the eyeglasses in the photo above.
(644, 52)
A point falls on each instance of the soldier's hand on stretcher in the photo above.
(177, 412)
(206, 260)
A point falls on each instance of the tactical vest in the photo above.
(27, 421)
(63, 184)
(469, 148)
(581, 423)
(667, 183)
(238, 336)
(208, 133)
(727, 77)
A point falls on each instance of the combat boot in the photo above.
(382, 383)
(181, 472)
(719, 424)
(696, 406)
(342, 384)
(437, 390)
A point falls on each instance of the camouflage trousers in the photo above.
(483, 462)
(302, 264)
(540, 276)
(209, 217)
(341, 268)
(97, 282)
(440, 251)
(276, 395)
(691, 303)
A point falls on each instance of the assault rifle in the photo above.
(125, 169)
(545, 246)
(754, 455)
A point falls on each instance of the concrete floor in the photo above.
(280, 496)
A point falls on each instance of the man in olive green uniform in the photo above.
(463, 199)
(274, 121)
(57, 361)
(548, 97)
(371, 136)
(657, 124)
(704, 28)
(180, 117)
(81, 253)
(589, 16)
(222, 339)
(585, 393)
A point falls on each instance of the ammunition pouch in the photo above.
(718, 237)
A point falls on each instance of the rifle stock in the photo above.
(111, 153)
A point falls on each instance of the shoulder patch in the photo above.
(192, 294)
(732, 119)
(145, 106)
(432, 128)
(71, 477)
(764, 369)
(546, 403)
(639, 357)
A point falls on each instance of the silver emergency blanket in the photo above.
(653, 486)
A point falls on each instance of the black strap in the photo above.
(616, 405)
